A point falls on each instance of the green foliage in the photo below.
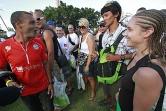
(67, 14)
(10, 29)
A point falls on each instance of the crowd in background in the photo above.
(129, 60)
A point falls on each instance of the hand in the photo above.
(113, 57)
(86, 69)
(77, 62)
(117, 96)
(51, 90)
(14, 84)
(93, 55)
(71, 52)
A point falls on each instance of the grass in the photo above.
(78, 102)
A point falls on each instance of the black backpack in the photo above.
(109, 72)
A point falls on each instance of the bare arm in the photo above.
(48, 73)
(117, 57)
(64, 51)
(148, 85)
(91, 47)
(48, 35)
(47, 70)
(75, 47)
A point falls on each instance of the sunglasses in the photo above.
(107, 4)
(40, 18)
(81, 27)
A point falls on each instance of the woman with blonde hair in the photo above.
(85, 62)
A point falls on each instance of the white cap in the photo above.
(10, 33)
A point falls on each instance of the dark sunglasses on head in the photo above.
(111, 3)
(40, 18)
(81, 27)
(107, 4)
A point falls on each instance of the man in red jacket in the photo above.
(28, 60)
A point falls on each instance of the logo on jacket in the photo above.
(8, 48)
(20, 69)
(35, 46)
(65, 45)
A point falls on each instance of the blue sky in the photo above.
(129, 6)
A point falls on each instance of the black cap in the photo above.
(9, 95)
(101, 24)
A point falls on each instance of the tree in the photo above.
(67, 14)
(10, 29)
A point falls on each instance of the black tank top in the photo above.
(127, 86)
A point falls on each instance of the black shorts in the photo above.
(91, 70)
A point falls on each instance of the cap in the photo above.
(50, 23)
(9, 95)
(83, 22)
(101, 23)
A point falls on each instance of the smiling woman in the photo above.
(145, 80)
(86, 64)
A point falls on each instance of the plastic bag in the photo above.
(164, 102)
(80, 80)
(118, 106)
(60, 97)
(72, 61)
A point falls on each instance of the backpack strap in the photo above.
(116, 43)
(70, 39)
(114, 46)
(55, 41)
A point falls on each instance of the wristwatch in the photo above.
(52, 82)
(122, 57)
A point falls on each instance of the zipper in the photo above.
(26, 50)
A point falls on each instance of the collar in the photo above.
(115, 32)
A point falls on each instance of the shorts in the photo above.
(57, 72)
(112, 89)
(91, 70)
(67, 70)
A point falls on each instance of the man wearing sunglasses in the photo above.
(111, 13)
(73, 41)
(49, 37)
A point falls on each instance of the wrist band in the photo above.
(7, 82)
(52, 82)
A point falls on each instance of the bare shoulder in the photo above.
(48, 34)
(90, 37)
(148, 78)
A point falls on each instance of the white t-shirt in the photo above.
(63, 41)
(74, 38)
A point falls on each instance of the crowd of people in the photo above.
(130, 61)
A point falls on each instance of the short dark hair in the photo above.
(114, 7)
(59, 25)
(18, 16)
(40, 12)
(141, 9)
